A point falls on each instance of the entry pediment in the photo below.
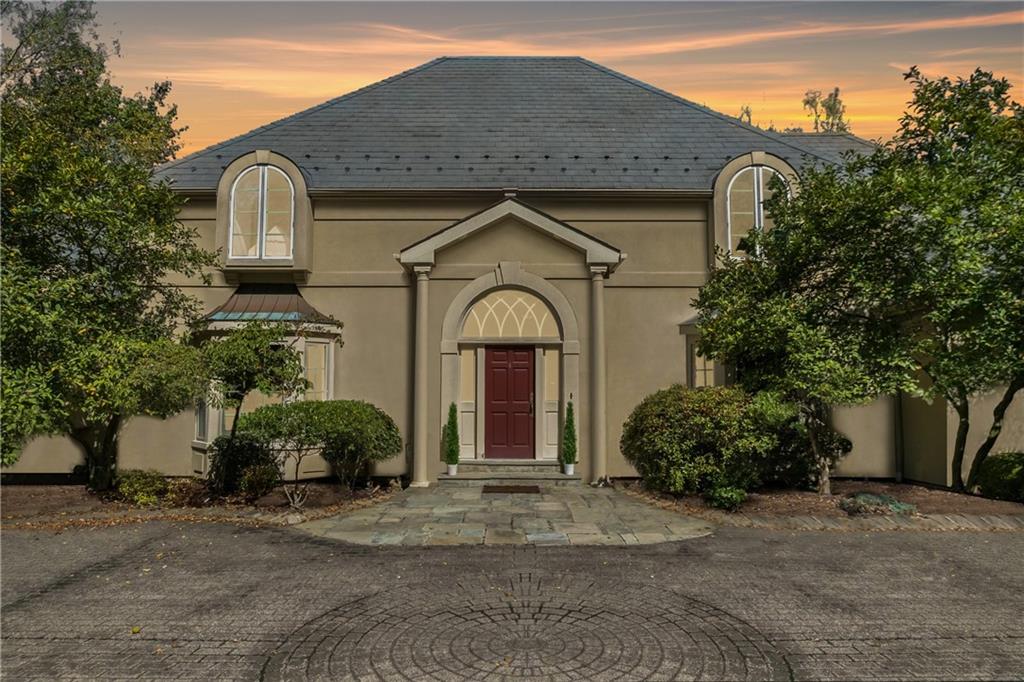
(597, 252)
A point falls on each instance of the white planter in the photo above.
(569, 469)
(453, 469)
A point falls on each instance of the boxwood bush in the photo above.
(356, 434)
(137, 486)
(1002, 476)
(686, 441)
(229, 459)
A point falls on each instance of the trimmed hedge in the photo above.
(229, 460)
(1002, 476)
(686, 441)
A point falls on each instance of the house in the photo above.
(507, 234)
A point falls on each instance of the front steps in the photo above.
(508, 472)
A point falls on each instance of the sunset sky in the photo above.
(236, 66)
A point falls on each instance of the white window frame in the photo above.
(261, 231)
(758, 171)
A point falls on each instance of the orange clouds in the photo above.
(249, 72)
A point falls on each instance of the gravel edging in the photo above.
(248, 516)
(894, 522)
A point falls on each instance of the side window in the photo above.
(202, 421)
(262, 214)
(747, 192)
(700, 370)
(317, 370)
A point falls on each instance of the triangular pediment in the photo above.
(596, 251)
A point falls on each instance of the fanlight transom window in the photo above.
(510, 313)
(748, 191)
(262, 214)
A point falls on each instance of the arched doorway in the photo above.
(510, 362)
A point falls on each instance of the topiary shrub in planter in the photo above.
(684, 441)
(1002, 476)
(136, 486)
(229, 458)
(567, 453)
(450, 440)
(356, 433)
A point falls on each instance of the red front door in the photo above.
(508, 388)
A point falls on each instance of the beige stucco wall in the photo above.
(355, 277)
(872, 430)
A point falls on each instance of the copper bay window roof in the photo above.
(269, 302)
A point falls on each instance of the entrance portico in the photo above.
(510, 350)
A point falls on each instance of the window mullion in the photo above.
(261, 218)
(758, 208)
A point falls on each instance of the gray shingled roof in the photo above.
(494, 122)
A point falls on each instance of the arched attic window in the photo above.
(262, 214)
(747, 192)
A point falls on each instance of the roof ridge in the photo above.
(306, 112)
(777, 138)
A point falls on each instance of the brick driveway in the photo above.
(215, 601)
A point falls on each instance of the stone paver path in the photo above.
(468, 516)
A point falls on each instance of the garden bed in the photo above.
(59, 506)
(782, 504)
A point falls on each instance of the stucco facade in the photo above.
(593, 279)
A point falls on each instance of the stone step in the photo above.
(517, 466)
(481, 478)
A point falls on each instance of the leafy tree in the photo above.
(828, 112)
(252, 358)
(89, 242)
(746, 114)
(902, 263)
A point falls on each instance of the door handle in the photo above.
(531, 403)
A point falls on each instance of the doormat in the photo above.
(521, 489)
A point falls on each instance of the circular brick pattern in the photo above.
(527, 625)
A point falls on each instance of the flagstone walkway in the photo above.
(559, 515)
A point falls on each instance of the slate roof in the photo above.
(496, 122)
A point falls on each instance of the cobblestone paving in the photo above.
(558, 515)
(213, 602)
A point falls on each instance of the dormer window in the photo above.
(262, 214)
(748, 191)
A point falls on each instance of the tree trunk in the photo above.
(234, 421)
(100, 444)
(963, 410)
(993, 433)
(824, 481)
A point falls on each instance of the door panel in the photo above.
(509, 402)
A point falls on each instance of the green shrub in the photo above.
(186, 492)
(140, 487)
(259, 480)
(358, 433)
(696, 440)
(726, 497)
(450, 437)
(567, 453)
(228, 459)
(1002, 476)
(349, 434)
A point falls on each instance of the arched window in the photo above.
(748, 191)
(510, 313)
(262, 214)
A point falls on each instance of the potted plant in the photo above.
(567, 454)
(451, 440)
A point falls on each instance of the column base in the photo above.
(420, 484)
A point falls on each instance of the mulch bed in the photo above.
(808, 503)
(56, 507)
